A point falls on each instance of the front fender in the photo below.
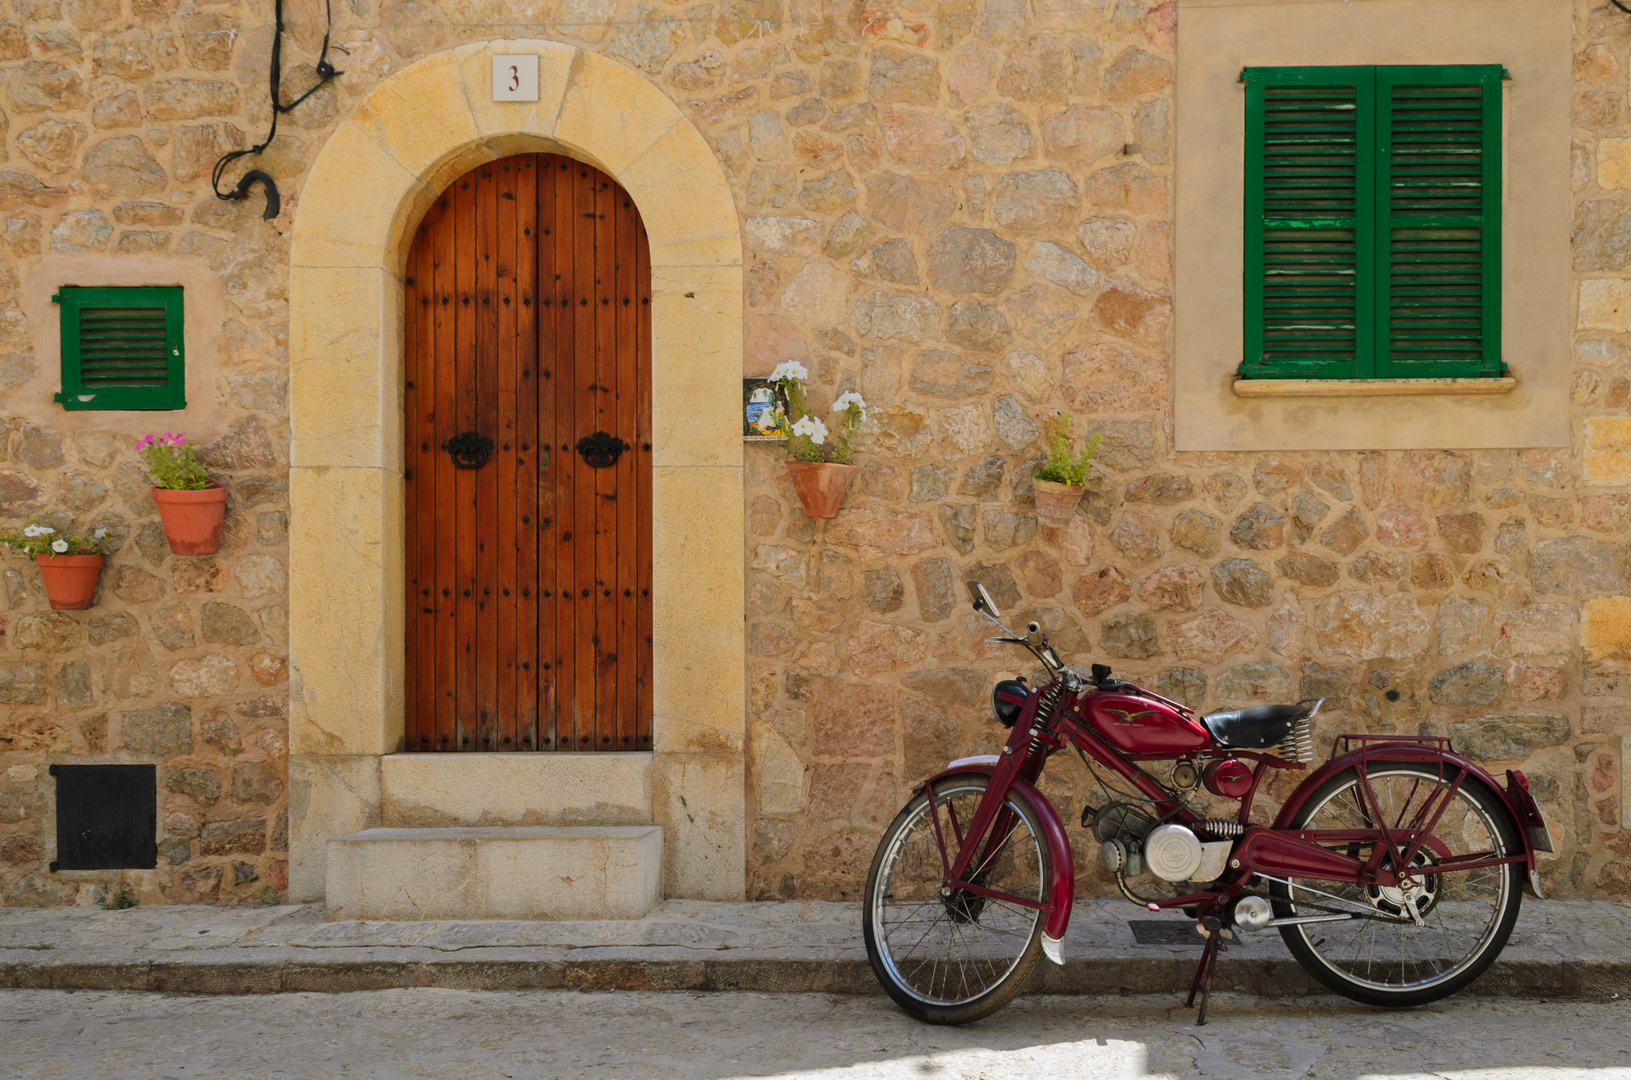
(1430, 755)
(1063, 894)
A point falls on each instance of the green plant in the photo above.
(172, 463)
(811, 439)
(120, 900)
(35, 539)
(1064, 463)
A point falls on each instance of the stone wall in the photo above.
(960, 209)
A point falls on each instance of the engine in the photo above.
(1131, 844)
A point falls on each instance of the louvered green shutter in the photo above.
(122, 348)
(1438, 242)
(1309, 220)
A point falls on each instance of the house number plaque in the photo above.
(515, 78)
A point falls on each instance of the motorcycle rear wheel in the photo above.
(1468, 915)
(958, 958)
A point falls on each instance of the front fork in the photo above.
(965, 849)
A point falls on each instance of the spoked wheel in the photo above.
(1384, 958)
(951, 957)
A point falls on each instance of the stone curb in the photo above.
(1265, 977)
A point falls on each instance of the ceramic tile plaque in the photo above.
(515, 78)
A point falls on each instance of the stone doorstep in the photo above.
(522, 872)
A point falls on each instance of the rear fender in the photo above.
(1053, 831)
(1513, 804)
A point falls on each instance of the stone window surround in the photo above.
(1216, 39)
(403, 142)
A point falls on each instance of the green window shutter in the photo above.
(1310, 209)
(1438, 176)
(122, 348)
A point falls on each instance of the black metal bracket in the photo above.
(601, 450)
(469, 450)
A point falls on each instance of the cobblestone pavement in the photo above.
(473, 1035)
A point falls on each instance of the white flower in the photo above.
(812, 428)
(99, 534)
(789, 369)
(38, 530)
(59, 546)
(845, 400)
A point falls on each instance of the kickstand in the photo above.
(1206, 968)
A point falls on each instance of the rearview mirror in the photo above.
(982, 600)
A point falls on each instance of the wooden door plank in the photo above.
(605, 419)
(422, 448)
(414, 559)
(550, 518)
(583, 494)
(530, 465)
(463, 511)
(625, 589)
(565, 173)
(444, 592)
(487, 424)
(643, 473)
(508, 454)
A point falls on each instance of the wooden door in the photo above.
(528, 312)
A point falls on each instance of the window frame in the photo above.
(171, 396)
(1375, 224)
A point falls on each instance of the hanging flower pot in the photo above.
(821, 487)
(191, 504)
(819, 462)
(1062, 477)
(192, 519)
(70, 580)
(1056, 503)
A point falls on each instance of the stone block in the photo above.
(609, 872)
(449, 790)
(1606, 629)
(1605, 304)
(1608, 450)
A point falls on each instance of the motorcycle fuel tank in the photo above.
(1138, 725)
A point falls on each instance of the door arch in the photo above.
(527, 410)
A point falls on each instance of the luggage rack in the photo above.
(1348, 741)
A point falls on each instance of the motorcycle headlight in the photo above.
(1008, 700)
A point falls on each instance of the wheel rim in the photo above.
(949, 950)
(1462, 911)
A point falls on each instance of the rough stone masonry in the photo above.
(960, 209)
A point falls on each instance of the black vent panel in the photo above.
(107, 817)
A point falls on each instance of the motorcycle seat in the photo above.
(1256, 727)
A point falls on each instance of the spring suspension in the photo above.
(1044, 710)
(1223, 830)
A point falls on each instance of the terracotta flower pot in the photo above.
(1056, 503)
(192, 519)
(70, 580)
(821, 486)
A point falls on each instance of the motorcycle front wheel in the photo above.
(952, 957)
(1383, 957)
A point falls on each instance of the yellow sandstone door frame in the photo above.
(372, 182)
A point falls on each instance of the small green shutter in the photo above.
(1438, 172)
(122, 348)
(1309, 220)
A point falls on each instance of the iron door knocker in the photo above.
(469, 450)
(601, 450)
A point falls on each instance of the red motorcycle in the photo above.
(1393, 871)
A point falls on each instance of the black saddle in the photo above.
(1259, 726)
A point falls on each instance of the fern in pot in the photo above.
(1061, 479)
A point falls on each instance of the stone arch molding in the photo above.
(376, 175)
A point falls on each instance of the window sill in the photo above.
(1350, 388)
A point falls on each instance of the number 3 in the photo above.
(515, 78)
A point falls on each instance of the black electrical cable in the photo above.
(325, 73)
(1621, 6)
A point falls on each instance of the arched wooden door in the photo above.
(529, 570)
